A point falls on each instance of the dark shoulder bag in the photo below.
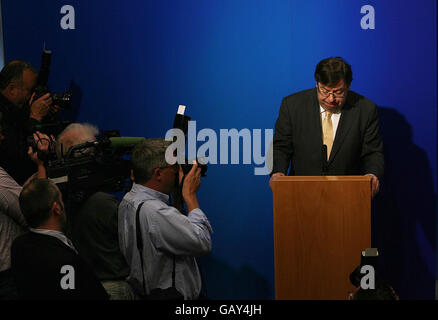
(156, 294)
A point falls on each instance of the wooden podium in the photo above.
(321, 226)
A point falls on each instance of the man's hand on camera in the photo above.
(43, 143)
(54, 109)
(42, 106)
(192, 182)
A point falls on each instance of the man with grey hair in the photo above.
(170, 239)
(74, 134)
(94, 225)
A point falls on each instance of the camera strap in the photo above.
(140, 248)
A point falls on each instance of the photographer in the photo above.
(19, 111)
(12, 222)
(94, 224)
(164, 265)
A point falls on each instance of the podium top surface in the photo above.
(321, 178)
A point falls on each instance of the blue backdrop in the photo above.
(231, 62)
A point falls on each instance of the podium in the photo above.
(321, 226)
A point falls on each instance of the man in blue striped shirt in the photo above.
(168, 235)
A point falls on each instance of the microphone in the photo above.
(324, 160)
(112, 142)
(122, 142)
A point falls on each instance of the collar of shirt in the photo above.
(138, 189)
(322, 110)
(57, 234)
(335, 119)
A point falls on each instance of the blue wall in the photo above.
(231, 62)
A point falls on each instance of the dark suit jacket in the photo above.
(95, 236)
(16, 127)
(357, 148)
(36, 262)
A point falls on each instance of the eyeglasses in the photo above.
(340, 93)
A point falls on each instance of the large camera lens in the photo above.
(62, 100)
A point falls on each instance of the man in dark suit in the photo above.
(45, 264)
(329, 130)
(20, 111)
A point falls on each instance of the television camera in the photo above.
(93, 166)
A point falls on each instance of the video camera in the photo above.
(101, 165)
(93, 166)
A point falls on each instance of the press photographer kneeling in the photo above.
(162, 252)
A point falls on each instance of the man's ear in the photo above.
(56, 208)
(156, 175)
(132, 175)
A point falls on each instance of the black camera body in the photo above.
(181, 122)
(370, 257)
(188, 166)
(63, 100)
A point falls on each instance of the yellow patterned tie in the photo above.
(327, 132)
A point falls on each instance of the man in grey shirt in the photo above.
(167, 234)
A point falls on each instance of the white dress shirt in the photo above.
(57, 234)
(335, 119)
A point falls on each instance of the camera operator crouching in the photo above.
(94, 229)
(159, 242)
